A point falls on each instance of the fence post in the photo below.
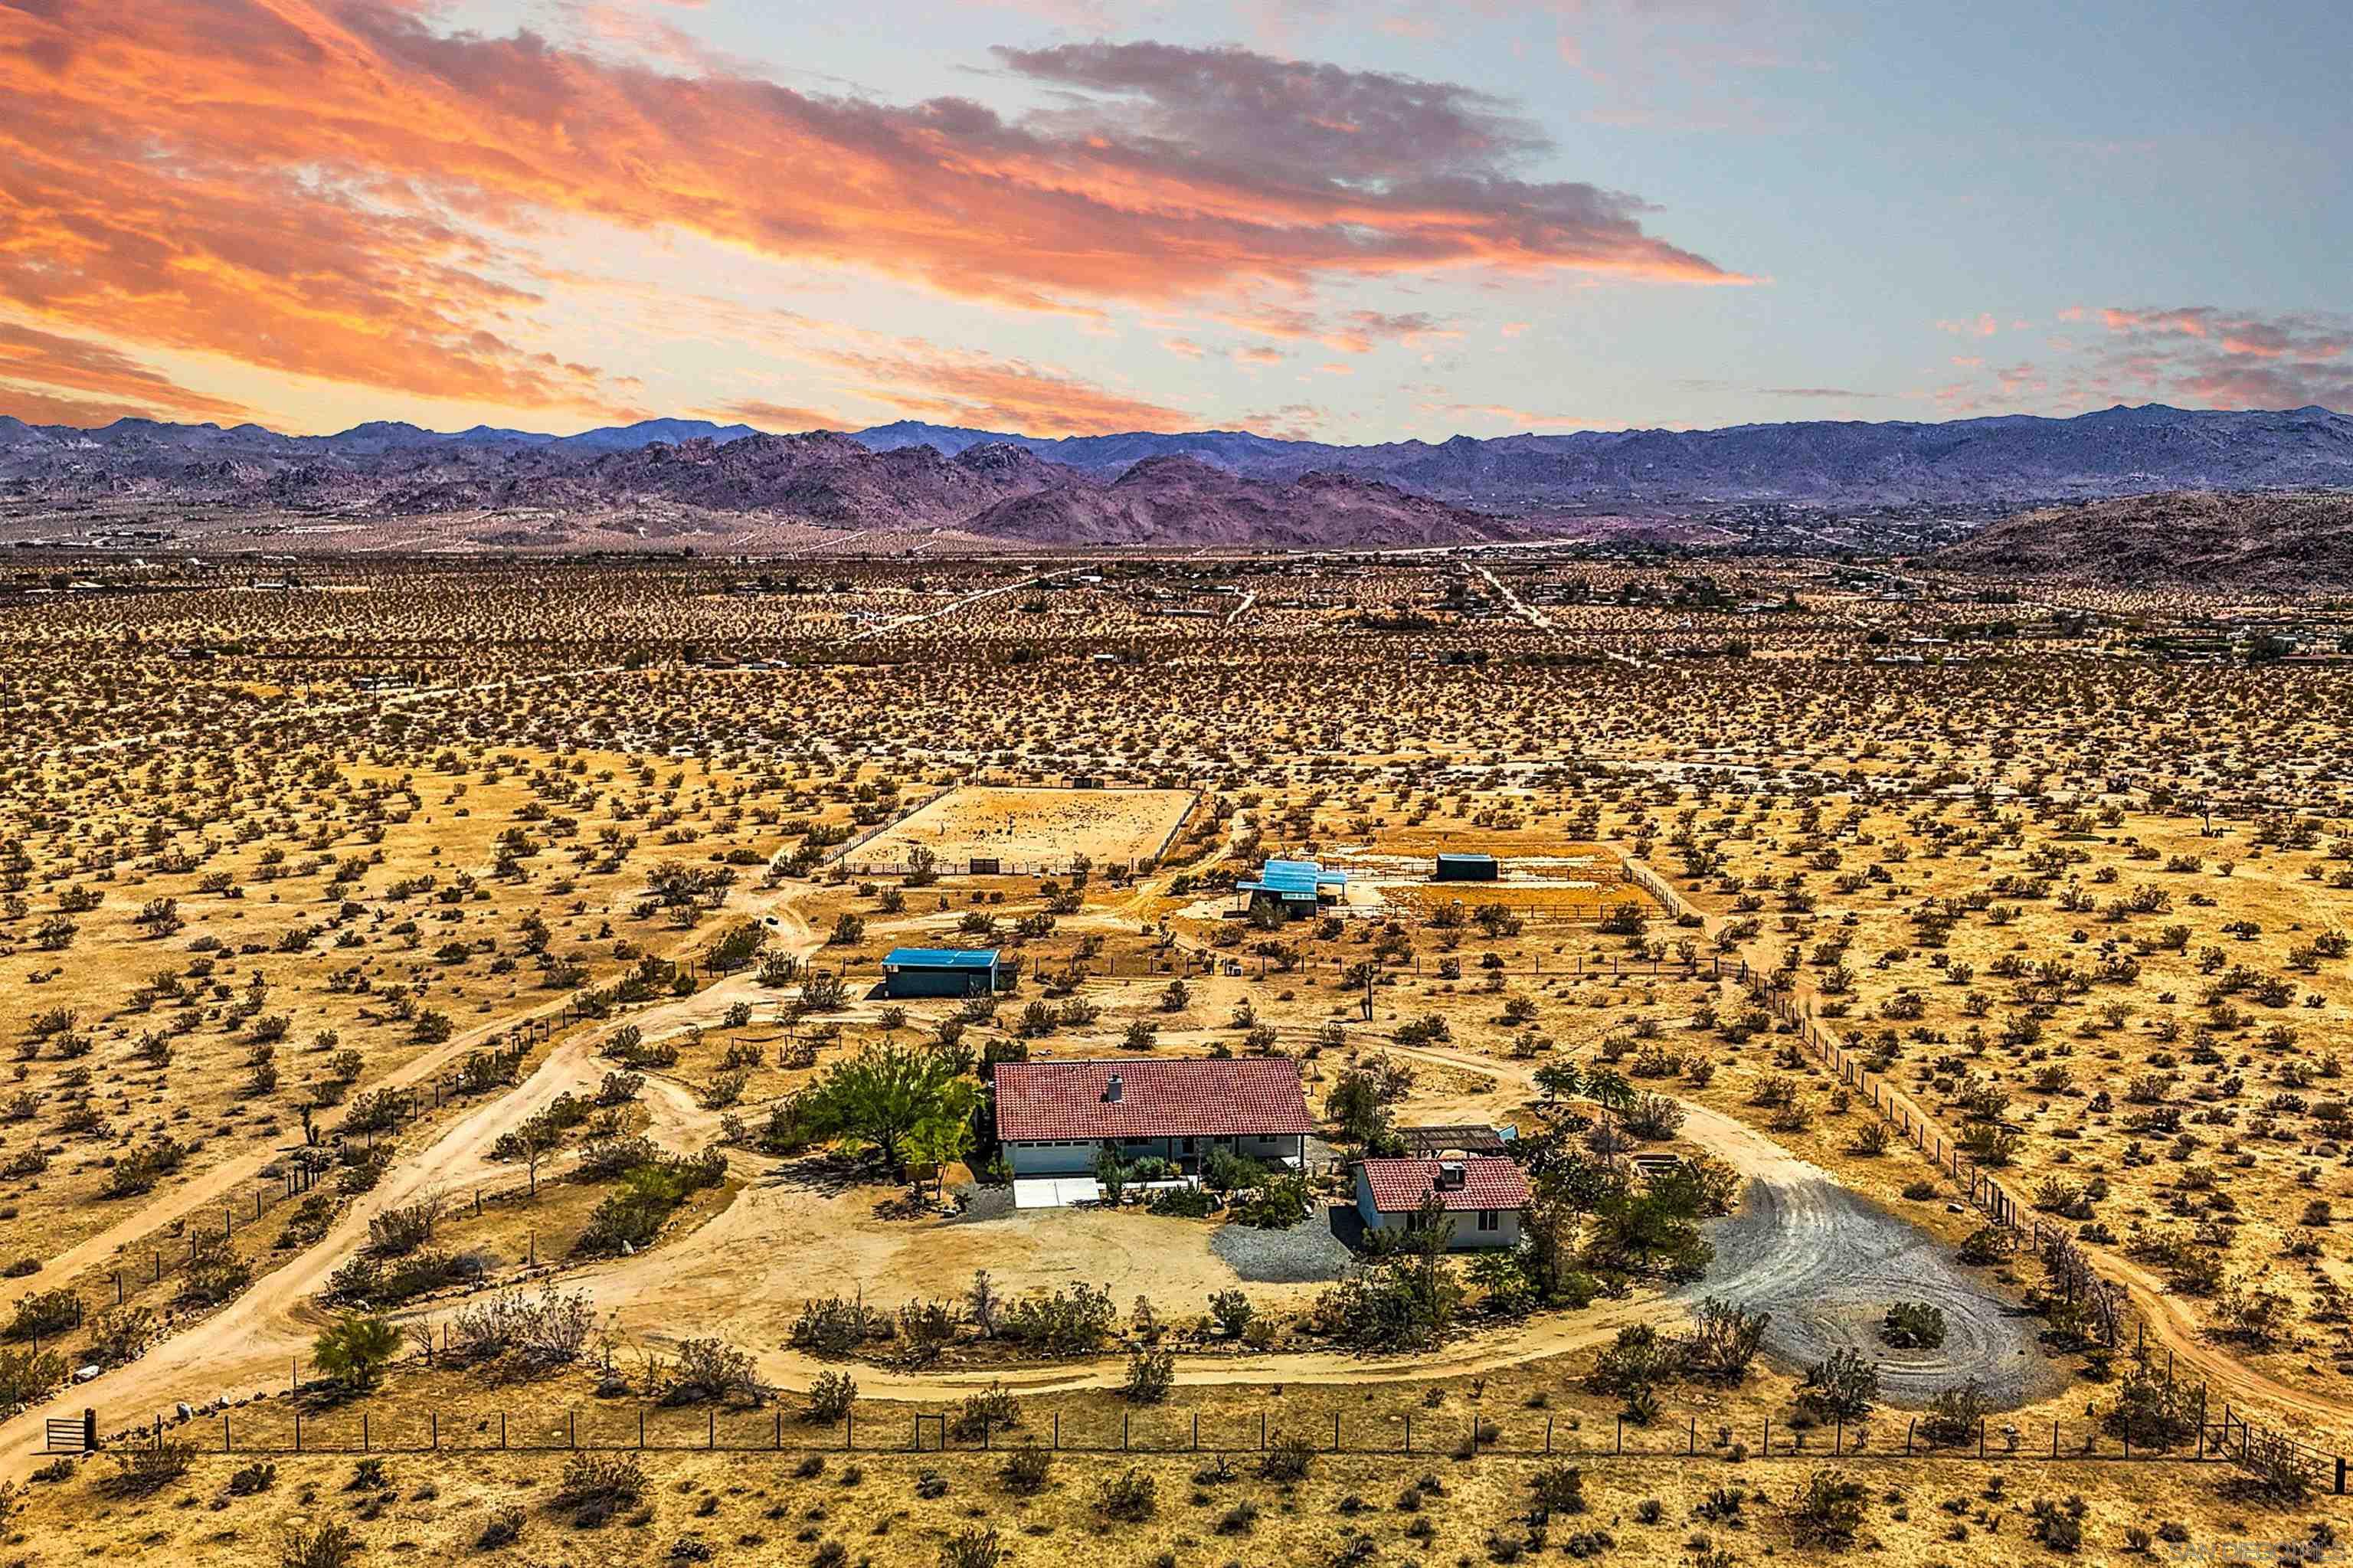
(1690, 1440)
(363, 1431)
(434, 1420)
(1907, 1435)
(298, 1432)
(225, 1442)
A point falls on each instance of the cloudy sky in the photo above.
(1352, 219)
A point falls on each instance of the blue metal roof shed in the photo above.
(939, 971)
(1297, 885)
(1467, 868)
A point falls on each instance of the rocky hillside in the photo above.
(2280, 543)
(1182, 501)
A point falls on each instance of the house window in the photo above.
(1490, 1220)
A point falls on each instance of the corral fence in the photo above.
(985, 865)
(2231, 1436)
(269, 1428)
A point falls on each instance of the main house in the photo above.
(1483, 1194)
(1054, 1117)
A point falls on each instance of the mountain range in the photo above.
(1211, 487)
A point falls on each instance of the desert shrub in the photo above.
(330, 1543)
(1064, 1323)
(838, 1325)
(1289, 1458)
(1151, 1374)
(1914, 1325)
(1557, 1489)
(539, 1333)
(973, 1547)
(595, 1487)
(1277, 1206)
(503, 1529)
(1827, 1510)
(1027, 1469)
(147, 1467)
(1183, 1203)
(709, 1369)
(2058, 1526)
(990, 1410)
(2149, 1411)
(43, 1315)
(1653, 1117)
(1130, 1497)
(29, 1374)
(251, 1480)
(1955, 1412)
(1724, 1339)
(830, 1397)
(1841, 1387)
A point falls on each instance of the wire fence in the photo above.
(285, 1428)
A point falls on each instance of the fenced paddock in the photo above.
(1016, 831)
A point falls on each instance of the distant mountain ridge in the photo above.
(1075, 489)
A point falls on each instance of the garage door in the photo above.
(1037, 1159)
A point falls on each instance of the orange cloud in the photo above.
(963, 387)
(333, 188)
(781, 419)
(102, 384)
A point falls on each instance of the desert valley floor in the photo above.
(464, 1101)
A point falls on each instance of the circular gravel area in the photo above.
(1827, 1263)
(1302, 1255)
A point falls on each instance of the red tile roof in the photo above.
(1224, 1097)
(1488, 1183)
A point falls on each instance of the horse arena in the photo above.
(1029, 830)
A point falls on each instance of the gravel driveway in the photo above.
(1305, 1252)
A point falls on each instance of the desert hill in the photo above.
(2279, 542)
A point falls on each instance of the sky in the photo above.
(1346, 220)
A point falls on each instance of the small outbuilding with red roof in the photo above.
(1055, 1117)
(1483, 1195)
